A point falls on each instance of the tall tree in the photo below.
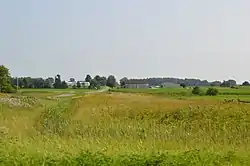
(103, 81)
(72, 79)
(93, 84)
(88, 78)
(245, 83)
(5, 84)
(64, 85)
(123, 82)
(78, 84)
(111, 81)
(25, 83)
(58, 82)
(49, 82)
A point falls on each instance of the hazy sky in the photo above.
(134, 38)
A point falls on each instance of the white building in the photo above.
(70, 84)
(85, 84)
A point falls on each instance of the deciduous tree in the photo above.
(5, 84)
(111, 81)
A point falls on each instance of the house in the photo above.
(71, 83)
(136, 85)
(85, 84)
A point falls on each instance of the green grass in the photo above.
(242, 91)
(126, 129)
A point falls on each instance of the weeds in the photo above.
(194, 157)
(128, 129)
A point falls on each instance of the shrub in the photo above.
(212, 92)
(8, 89)
(234, 87)
(196, 91)
(183, 85)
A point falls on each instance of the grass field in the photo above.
(187, 92)
(115, 128)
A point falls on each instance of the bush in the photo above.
(212, 92)
(234, 87)
(196, 91)
(8, 89)
(183, 85)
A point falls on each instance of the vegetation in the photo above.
(124, 129)
(59, 84)
(197, 91)
(5, 85)
(186, 81)
(162, 126)
(183, 85)
(245, 83)
(111, 81)
(212, 92)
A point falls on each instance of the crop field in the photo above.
(139, 127)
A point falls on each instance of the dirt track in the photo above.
(91, 92)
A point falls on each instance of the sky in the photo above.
(133, 38)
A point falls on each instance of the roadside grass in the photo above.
(126, 129)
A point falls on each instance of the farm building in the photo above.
(85, 84)
(137, 86)
(169, 85)
(71, 83)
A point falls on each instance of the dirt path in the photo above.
(91, 92)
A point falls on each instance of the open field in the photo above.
(186, 92)
(125, 129)
(54, 92)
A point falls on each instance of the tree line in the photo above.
(182, 82)
(58, 83)
(9, 84)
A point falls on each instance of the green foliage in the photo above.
(5, 85)
(192, 157)
(78, 84)
(212, 92)
(88, 78)
(183, 85)
(123, 82)
(229, 83)
(8, 89)
(139, 131)
(52, 120)
(93, 84)
(197, 90)
(111, 81)
(245, 83)
(101, 81)
(59, 84)
(64, 85)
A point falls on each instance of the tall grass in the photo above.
(127, 129)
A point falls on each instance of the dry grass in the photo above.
(120, 123)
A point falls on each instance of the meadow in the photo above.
(166, 126)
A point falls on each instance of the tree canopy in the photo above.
(5, 80)
(111, 81)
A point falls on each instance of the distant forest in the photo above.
(186, 81)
